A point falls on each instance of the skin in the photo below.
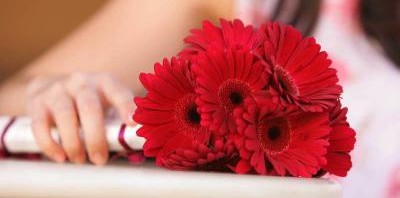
(97, 67)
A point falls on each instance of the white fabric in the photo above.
(47, 179)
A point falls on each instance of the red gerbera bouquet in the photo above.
(246, 100)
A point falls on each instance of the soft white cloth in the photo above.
(48, 180)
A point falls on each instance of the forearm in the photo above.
(126, 38)
(123, 39)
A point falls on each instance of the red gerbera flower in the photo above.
(231, 35)
(223, 80)
(168, 113)
(301, 73)
(220, 156)
(341, 142)
(270, 142)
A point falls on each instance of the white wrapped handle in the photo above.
(19, 137)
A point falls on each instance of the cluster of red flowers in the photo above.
(246, 100)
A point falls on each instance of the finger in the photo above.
(41, 127)
(119, 96)
(63, 111)
(91, 117)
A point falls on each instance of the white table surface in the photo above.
(47, 179)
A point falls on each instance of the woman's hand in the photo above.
(71, 102)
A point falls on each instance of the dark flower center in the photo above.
(188, 118)
(236, 98)
(285, 81)
(192, 115)
(274, 135)
(232, 92)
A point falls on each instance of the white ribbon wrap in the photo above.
(19, 137)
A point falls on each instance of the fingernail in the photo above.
(98, 159)
(59, 157)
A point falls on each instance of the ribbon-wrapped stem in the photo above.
(3, 149)
(17, 140)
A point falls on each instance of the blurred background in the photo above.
(29, 28)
